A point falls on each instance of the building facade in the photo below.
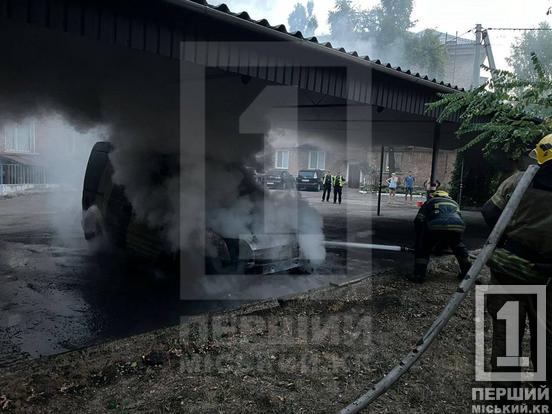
(361, 167)
(19, 157)
(460, 62)
(409, 159)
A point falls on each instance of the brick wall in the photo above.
(417, 160)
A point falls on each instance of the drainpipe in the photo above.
(435, 151)
(380, 179)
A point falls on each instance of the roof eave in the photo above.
(252, 25)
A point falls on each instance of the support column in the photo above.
(435, 150)
(461, 186)
(380, 179)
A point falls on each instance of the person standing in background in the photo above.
(409, 182)
(338, 183)
(392, 184)
(327, 186)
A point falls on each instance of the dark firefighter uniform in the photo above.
(524, 256)
(327, 185)
(338, 183)
(439, 223)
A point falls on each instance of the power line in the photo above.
(520, 28)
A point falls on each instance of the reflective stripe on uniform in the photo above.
(505, 262)
(336, 183)
(446, 203)
(446, 227)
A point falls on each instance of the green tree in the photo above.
(503, 119)
(382, 24)
(297, 19)
(303, 20)
(506, 115)
(393, 20)
(426, 53)
(344, 20)
(386, 28)
(312, 21)
(531, 41)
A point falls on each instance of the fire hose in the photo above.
(368, 246)
(438, 325)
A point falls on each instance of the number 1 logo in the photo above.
(510, 313)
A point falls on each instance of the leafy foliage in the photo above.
(312, 22)
(394, 20)
(426, 53)
(538, 42)
(303, 19)
(507, 114)
(385, 28)
(346, 20)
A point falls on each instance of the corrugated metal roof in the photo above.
(223, 8)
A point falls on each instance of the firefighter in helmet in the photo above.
(439, 223)
(524, 257)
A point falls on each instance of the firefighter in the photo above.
(524, 256)
(338, 182)
(439, 223)
(327, 185)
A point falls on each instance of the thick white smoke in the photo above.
(137, 98)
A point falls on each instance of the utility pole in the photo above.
(488, 49)
(477, 60)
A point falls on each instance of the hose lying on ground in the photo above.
(368, 246)
(425, 341)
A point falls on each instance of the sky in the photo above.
(451, 16)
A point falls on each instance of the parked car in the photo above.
(310, 180)
(279, 180)
(108, 216)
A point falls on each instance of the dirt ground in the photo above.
(314, 352)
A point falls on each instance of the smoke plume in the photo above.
(136, 99)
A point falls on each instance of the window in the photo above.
(20, 138)
(282, 160)
(393, 161)
(307, 174)
(317, 160)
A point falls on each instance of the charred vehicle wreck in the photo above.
(108, 216)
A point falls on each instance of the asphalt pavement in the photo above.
(57, 295)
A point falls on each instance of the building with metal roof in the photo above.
(336, 94)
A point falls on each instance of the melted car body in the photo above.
(107, 214)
